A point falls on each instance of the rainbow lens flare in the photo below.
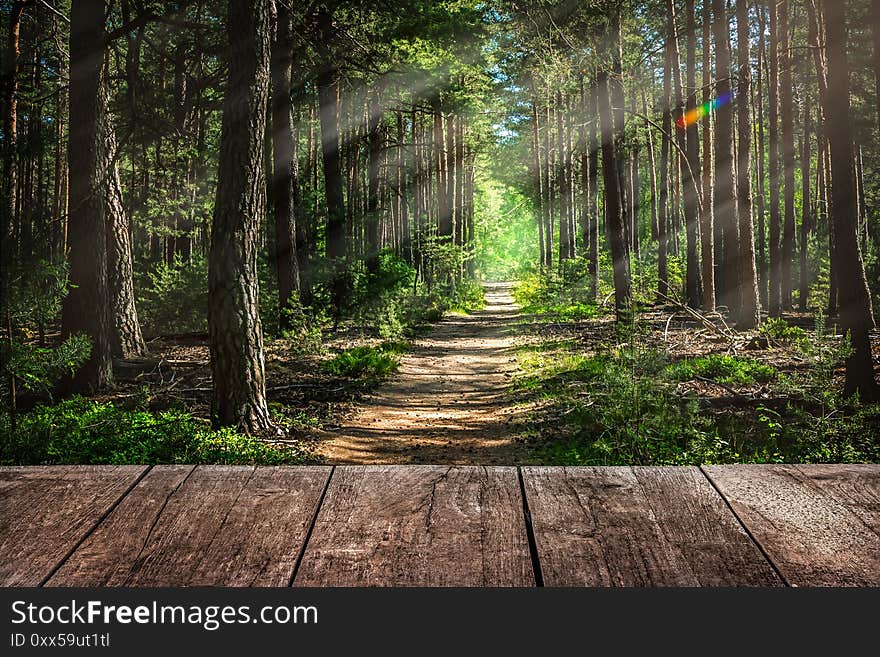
(694, 115)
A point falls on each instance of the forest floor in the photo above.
(450, 401)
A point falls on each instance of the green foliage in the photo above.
(564, 296)
(621, 407)
(722, 368)
(35, 293)
(778, 331)
(466, 297)
(37, 369)
(174, 298)
(81, 430)
(372, 363)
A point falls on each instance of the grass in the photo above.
(722, 368)
(621, 406)
(80, 430)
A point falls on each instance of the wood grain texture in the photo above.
(855, 485)
(620, 526)
(207, 526)
(813, 538)
(419, 526)
(46, 510)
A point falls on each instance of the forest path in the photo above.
(449, 402)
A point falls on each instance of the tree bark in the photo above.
(747, 315)
(285, 168)
(126, 340)
(806, 207)
(786, 115)
(612, 135)
(775, 293)
(688, 182)
(86, 309)
(856, 316)
(725, 183)
(236, 336)
(707, 216)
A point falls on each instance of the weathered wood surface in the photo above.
(621, 526)
(204, 526)
(812, 521)
(46, 511)
(419, 526)
(801, 525)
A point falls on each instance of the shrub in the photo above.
(373, 363)
(81, 430)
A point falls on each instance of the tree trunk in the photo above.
(775, 294)
(562, 177)
(285, 167)
(806, 215)
(612, 134)
(86, 309)
(747, 315)
(666, 181)
(725, 183)
(786, 115)
(328, 91)
(688, 182)
(759, 159)
(374, 142)
(593, 176)
(707, 221)
(126, 340)
(236, 336)
(856, 314)
(692, 205)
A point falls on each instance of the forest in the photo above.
(588, 232)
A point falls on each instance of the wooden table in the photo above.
(179, 525)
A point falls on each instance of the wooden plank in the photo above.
(855, 485)
(208, 526)
(419, 526)
(813, 538)
(46, 510)
(620, 526)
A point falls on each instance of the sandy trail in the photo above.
(449, 401)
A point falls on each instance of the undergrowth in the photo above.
(80, 430)
(623, 405)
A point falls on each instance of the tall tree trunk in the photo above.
(725, 183)
(707, 216)
(693, 209)
(374, 142)
(285, 167)
(775, 295)
(328, 90)
(759, 160)
(236, 336)
(806, 206)
(86, 309)
(786, 115)
(10, 147)
(562, 177)
(747, 315)
(612, 136)
(126, 340)
(593, 176)
(856, 314)
(538, 180)
(666, 181)
(688, 182)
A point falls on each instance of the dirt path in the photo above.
(448, 402)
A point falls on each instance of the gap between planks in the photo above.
(745, 528)
(95, 526)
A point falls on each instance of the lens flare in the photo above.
(697, 113)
